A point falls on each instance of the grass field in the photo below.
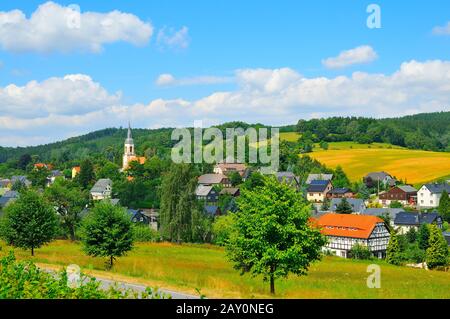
(186, 267)
(359, 159)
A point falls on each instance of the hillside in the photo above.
(357, 160)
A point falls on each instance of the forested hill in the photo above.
(427, 131)
(430, 131)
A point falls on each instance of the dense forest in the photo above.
(427, 131)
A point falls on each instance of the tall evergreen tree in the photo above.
(437, 252)
(86, 177)
(444, 206)
(423, 236)
(30, 221)
(393, 253)
(340, 179)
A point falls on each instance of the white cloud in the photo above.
(445, 30)
(55, 28)
(172, 39)
(169, 80)
(358, 55)
(76, 103)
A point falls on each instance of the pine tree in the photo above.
(86, 176)
(344, 207)
(444, 206)
(393, 254)
(423, 236)
(437, 252)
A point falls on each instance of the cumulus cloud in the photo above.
(169, 80)
(172, 39)
(56, 28)
(272, 96)
(445, 30)
(358, 55)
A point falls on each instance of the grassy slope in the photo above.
(358, 159)
(186, 267)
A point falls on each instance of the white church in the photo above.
(129, 154)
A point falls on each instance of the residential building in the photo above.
(233, 191)
(102, 189)
(207, 193)
(345, 230)
(8, 197)
(53, 176)
(214, 179)
(357, 204)
(129, 154)
(447, 237)
(226, 168)
(428, 195)
(378, 179)
(317, 190)
(75, 171)
(22, 179)
(405, 221)
(318, 177)
(137, 216)
(404, 194)
(43, 165)
(390, 213)
(340, 193)
(289, 178)
(213, 210)
(153, 217)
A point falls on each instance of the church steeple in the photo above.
(129, 139)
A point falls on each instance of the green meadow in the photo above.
(187, 267)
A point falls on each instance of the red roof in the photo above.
(77, 168)
(43, 165)
(348, 225)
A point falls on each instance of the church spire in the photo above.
(129, 139)
(129, 130)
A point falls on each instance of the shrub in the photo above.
(360, 252)
(24, 280)
(413, 254)
(143, 233)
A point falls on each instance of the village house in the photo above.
(43, 166)
(225, 168)
(447, 237)
(102, 189)
(389, 213)
(212, 210)
(5, 185)
(378, 179)
(345, 230)
(428, 195)
(340, 193)
(404, 194)
(20, 179)
(75, 171)
(138, 217)
(318, 177)
(214, 179)
(405, 221)
(288, 178)
(317, 190)
(357, 204)
(233, 191)
(207, 193)
(8, 197)
(152, 217)
(54, 174)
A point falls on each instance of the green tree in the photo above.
(359, 251)
(326, 204)
(444, 206)
(256, 179)
(235, 179)
(340, 180)
(395, 204)
(344, 207)
(109, 170)
(38, 176)
(393, 252)
(107, 232)
(222, 228)
(30, 222)
(437, 252)
(411, 235)
(69, 201)
(423, 236)
(86, 177)
(178, 202)
(272, 234)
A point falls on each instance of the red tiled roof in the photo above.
(347, 225)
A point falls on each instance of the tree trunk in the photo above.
(72, 234)
(32, 251)
(111, 261)
(272, 280)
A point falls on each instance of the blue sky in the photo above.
(235, 60)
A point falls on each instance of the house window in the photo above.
(421, 201)
(431, 202)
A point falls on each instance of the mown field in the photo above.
(357, 160)
(186, 267)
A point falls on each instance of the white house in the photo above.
(102, 189)
(346, 230)
(317, 190)
(429, 195)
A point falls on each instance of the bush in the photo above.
(413, 254)
(222, 228)
(24, 280)
(143, 233)
(360, 252)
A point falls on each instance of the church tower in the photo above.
(129, 152)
